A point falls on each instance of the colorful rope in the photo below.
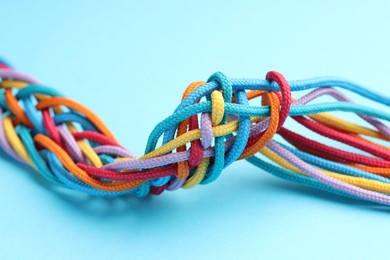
(213, 126)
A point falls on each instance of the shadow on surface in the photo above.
(114, 206)
(325, 196)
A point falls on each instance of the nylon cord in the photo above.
(213, 126)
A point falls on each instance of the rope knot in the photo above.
(71, 147)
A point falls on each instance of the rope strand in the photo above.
(212, 127)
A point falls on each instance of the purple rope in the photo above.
(316, 174)
(15, 75)
(113, 150)
(71, 143)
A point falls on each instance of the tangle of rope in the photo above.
(212, 127)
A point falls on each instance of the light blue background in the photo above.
(129, 61)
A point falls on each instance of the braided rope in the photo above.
(212, 127)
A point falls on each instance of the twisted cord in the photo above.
(214, 125)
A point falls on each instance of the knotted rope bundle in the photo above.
(213, 126)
